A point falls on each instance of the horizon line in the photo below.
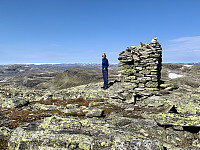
(78, 63)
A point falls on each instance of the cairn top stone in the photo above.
(154, 40)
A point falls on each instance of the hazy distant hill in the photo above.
(30, 75)
(38, 67)
(194, 63)
(73, 77)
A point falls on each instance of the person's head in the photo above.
(103, 55)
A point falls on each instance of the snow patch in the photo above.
(174, 75)
(3, 81)
(21, 70)
(188, 66)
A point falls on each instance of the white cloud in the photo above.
(185, 44)
(184, 49)
(187, 39)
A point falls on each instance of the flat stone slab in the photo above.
(155, 105)
(39, 106)
(178, 119)
(92, 104)
(95, 113)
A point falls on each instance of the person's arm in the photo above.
(106, 64)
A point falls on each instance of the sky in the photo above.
(79, 31)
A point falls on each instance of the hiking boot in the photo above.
(105, 87)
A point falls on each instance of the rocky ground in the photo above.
(88, 117)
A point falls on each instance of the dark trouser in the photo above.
(105, 77)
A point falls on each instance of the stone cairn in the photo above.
(141, 66)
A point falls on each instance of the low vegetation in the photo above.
(73, 77)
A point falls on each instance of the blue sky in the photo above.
(79, 31)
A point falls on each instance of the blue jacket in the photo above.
(105, 63)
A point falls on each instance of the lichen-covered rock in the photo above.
(72, 132)
(4, 131)
(39, 106)
(168, 119)
(95, 113)
(54, 132)
(155, 105)
(70, 106)
(138, 144)
(188, 106)
(14, 102)
(92, 104)
(131, 100)
(13, 91)
(71, 111)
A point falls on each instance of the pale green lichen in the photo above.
(5, 131)
(85, 146)
(178, 119)
(106, 144)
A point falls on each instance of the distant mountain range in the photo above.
(194, 64)
(62, 66)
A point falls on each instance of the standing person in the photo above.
(105, 65)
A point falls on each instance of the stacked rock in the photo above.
(141, 66)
